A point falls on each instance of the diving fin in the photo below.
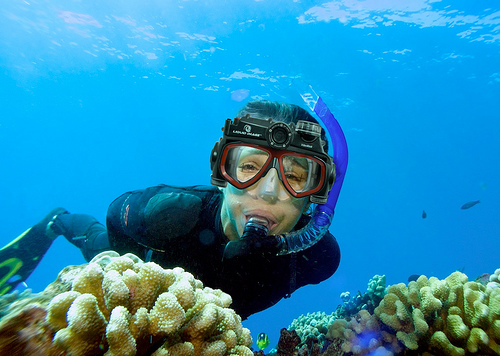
(20, 257)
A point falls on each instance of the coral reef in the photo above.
(366, 301)
(437, 317)
(119, 305)
(24, 332)
(428, 316)
(313, 327)
(362, 334)
(287, 345)
(451, 316)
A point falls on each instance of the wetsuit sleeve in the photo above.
(151, 218)
(83, 231)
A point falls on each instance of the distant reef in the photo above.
(429, 316)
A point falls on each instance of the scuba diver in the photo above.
(252, 238)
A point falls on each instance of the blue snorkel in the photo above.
(254, 238)
(322, 216)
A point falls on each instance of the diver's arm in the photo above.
(150, 219)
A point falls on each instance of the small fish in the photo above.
(470, 204)
(262, 341)
(413, 277)
(483, 279)
(14, 279)
(424, 214)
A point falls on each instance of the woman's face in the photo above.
(267, 199)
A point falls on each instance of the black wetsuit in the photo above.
(181, 227)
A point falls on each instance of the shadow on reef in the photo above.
(454, 316)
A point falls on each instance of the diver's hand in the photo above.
(251, 246)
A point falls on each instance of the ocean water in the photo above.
(101, 97)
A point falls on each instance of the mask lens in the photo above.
(243, 163)
(301, 173)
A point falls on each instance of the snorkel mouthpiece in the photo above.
(253, 240)
(255, 227)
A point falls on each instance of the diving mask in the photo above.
(250, 147)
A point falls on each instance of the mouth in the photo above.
(268, 219)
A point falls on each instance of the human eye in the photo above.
(293, 176)
(248, 167)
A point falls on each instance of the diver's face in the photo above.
(266, 199)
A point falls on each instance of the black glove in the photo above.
(251, 246)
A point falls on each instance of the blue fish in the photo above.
(424, 214)
(470, 204)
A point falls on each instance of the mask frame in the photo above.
(303, 139)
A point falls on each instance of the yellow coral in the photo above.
(151, 282)
(120, 340)
(115, 290)
(461, 316)
(184, 292)
(58, 307)
(120, 305)
(167, 315)
(86, 324)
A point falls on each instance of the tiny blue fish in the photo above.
(424, 214)
(262, 341)
(470, 204)
(14, 279)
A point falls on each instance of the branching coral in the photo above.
(451, 316)
(426, 317)
(442, 317)
(119, 305)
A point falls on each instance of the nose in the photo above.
(270, 187)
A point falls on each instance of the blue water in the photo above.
(102, 97)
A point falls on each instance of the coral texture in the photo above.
(313, 327)
(119, 305)
(428, 316)
(451, 316)
(437, 317)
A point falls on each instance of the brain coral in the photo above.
(119, 305)
(428, 316)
